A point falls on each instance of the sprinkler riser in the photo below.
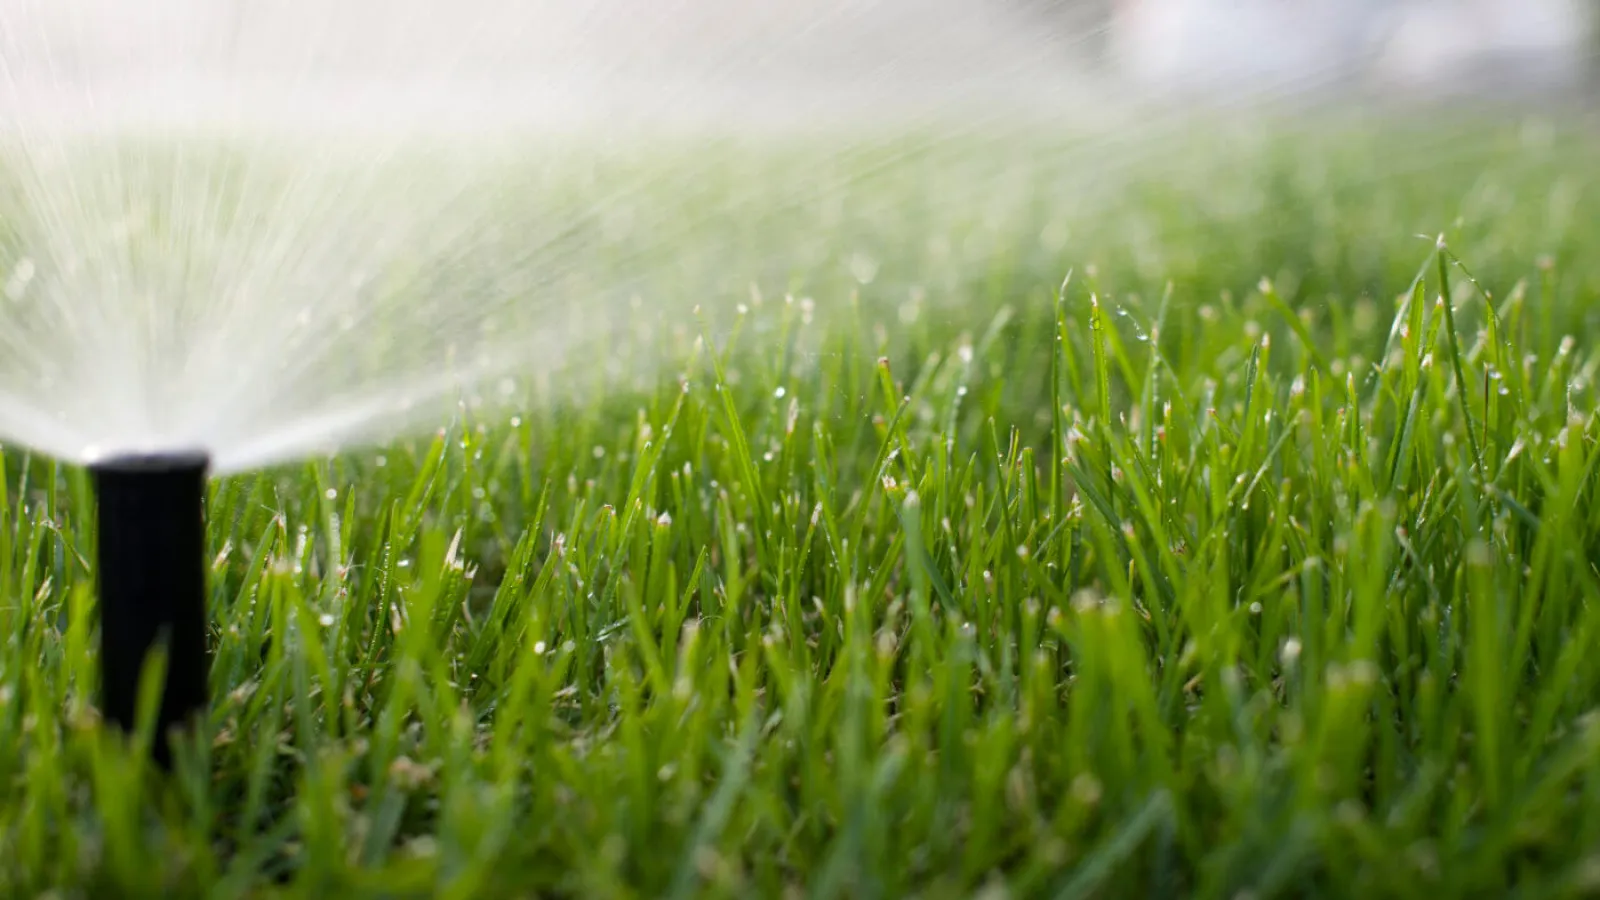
(152, 581)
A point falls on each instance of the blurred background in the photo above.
(552, 50)
(1434, 46)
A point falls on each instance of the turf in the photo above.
(1255, 559)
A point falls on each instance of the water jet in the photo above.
(150, 539)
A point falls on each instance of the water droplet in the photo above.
(864, 268)
(21, 276)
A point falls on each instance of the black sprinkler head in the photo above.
(152, 580)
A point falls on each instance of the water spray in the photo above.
(264, 227)
(151, 546)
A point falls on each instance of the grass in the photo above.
(1256, 559)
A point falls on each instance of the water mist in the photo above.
(242, 233)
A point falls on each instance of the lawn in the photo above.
(1235, 536)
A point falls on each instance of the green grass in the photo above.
(1257, 559)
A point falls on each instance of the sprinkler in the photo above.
(152, 577)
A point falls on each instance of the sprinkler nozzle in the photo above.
(152, 578)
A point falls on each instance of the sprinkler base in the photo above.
(152, 581)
